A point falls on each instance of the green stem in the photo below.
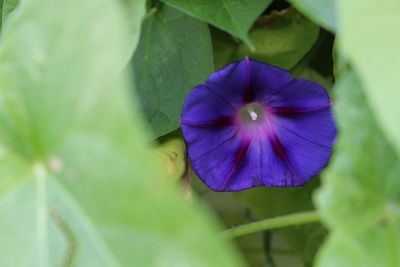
(272, 223)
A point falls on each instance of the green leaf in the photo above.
(1, 13)
(281, 39)
(235, 17)
(322, 12)
(359, 200)
(78, 187)
(173, 56)
(224, 48)
(372, 47)
(8, 8)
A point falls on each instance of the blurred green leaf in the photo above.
(1, 13)
(372, 46)
(8, 6)
(281, 39)
(174, 55)
(78, 187)
(232, 16)
(322, 12)
(267, 202)
(359, 199)
(136, 11)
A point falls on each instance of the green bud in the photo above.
(171, 155)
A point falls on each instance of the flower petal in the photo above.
(298, 96)
(230, 165)
(307, 139)
(247, 172)
(267, 80)
(204, 105)
(276, 169)
(231, 82)
(201, 141)
(219, 166)
(205, 119)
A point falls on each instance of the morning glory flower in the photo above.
(251, 124)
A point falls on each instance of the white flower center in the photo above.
(252, 113)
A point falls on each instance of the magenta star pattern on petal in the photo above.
(251, 124)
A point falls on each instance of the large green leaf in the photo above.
(174, 55)
(281, 39)
(372, 45)
(322, 12)
(360, 197)
(78, 187)
(8, 6)
(233, 16)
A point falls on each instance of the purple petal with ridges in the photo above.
(204, 104)
(202, 140)
(272, 79)
(299, 94)
(275, 169)
(308, 140)
(238, 162)
(248, 171)
(216, 166)
(231, 82)
(204, 120)
(317, 127)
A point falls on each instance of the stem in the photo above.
(272, 223)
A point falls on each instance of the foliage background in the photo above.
(91, 158)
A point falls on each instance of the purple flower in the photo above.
(251, 124)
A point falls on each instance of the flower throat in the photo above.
(252, 113)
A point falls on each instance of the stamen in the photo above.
(252, 113)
